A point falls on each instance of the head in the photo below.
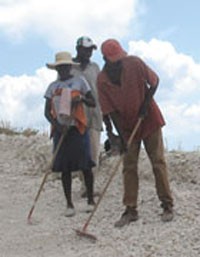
(112, 50)
(63, 63)
(63, 71)
(84, 47)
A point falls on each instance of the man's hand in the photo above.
(148, 97)
(116, 143)
(143, 110)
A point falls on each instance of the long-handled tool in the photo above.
(46, 174)
(83, 232)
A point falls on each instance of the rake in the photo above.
(83, 232)
(46, 174)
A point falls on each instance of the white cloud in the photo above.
(178, 93)
(179, 70)
(60, 21)
(22, 101)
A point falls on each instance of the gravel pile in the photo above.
(23, 162)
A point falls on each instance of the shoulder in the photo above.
(95, 66)
(52, 85)
(133, 62)
(50, 89)
(132, 59)
(80, 80)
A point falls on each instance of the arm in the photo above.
(119, 140)
(47, 110)
(108, 124)
(49, 116)
(151, 89)
(88, 100)
(115, 119)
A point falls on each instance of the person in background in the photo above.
(89, 70)
(126, 86)
(64, 110)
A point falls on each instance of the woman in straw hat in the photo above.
(64, 110)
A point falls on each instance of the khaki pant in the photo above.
(95, 146)
(155, 151)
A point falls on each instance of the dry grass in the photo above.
(7, 129)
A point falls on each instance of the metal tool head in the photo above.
(84, 234)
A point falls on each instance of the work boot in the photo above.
(128, 216)
(167, 214)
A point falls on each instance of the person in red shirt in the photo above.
(126, 86)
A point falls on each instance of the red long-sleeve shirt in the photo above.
(127, 98)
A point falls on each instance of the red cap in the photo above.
(112, 50)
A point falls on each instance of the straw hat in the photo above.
(112, 50)
(62, 58)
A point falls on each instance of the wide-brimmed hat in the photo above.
(85, 42)
(62, 58)
(112, 50)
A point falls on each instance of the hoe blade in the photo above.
(84, 234)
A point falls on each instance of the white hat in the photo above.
(85, 42)
(61, 58)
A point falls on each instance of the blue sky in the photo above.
(163, 33)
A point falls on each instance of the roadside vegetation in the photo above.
(7, 129)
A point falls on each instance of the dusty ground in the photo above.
(22, 165)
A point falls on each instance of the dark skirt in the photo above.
(74, 153)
